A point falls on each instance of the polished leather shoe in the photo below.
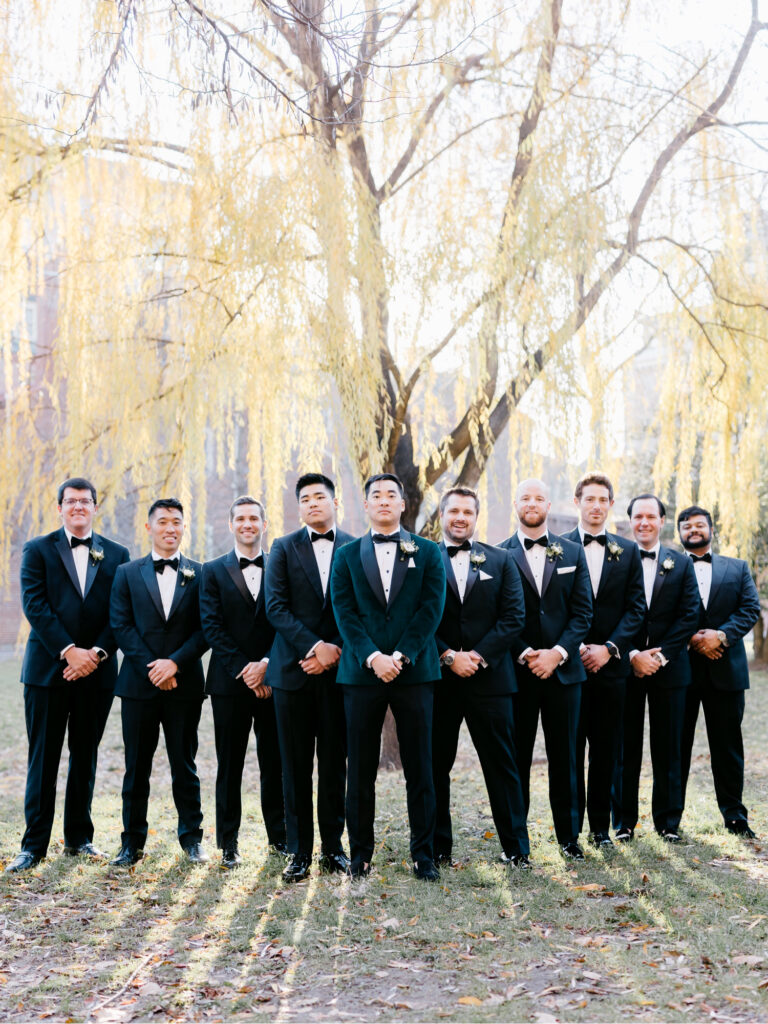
(740, 827)
(572, 851)
(443, 860)
(670, 835)
(334, 863)
(426, 870)
(127, 857)
(23, 861)
(278, 849)
(298, 868)
(358, 869)
(600, 840)
(625, 835)
(230, 858)
(85, 850)
(196, 853)
(516, 860)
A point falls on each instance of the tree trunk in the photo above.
(389, 757)
(760, 636)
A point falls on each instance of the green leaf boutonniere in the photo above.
(408, 549)
(187, 574)
(477, 558)
(97, 555)
(614, 551)
(554, 551)
(667, 566)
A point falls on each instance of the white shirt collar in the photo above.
(241, 554)
(71, 535)
(600, 533)
(311, 530)
(156, 557)
(522, 536)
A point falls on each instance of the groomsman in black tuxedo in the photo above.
(729, 608)
(234, 618)
(484, 613)
(388, 594)
(558, 611)
(302, 674)
(69, 669)
(156, 620)
(661, 672)
(618, 608)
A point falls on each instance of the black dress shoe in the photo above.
(196, 853)
(333, 863)
(278, 849)
(443, 860)
(516, 860)
(358, 869)
(426, 870)
(670, 835)
(23, 861)
(600, 840)
(128, 856)
(298, 868)
(625, 835)
(740, 827)
(85, 850)
(230, 858)
(572, 851)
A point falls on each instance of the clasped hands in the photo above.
(162, 673)
(253, 676)
(465, 663)
(708, 643)
(544, 662)
(81, 661)
(323, 657)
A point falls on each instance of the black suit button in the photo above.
(386, 618)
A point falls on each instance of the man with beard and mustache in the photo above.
(558, 611)
(729, 608)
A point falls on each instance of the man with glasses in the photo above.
(69, 669)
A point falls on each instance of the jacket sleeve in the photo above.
(127, 636)
(630, 623)
(421, 629)
(277, 599)
(347, 612)
(746, 611)
(214, 625)
(36, 604)
(580, 610)
(511, 618)
(106, 638)
(678, 636)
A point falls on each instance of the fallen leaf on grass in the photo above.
(590, 887)
(470, 1001)
(747, 959)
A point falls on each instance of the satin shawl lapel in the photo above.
(719, 566)
(233, 568)
(371, 569)
(149, 576)
(449, 573)
(606, 564)
(399, 569)
(65, 553)
(306, 556)
(181, 586)
(518, 554)
(549, 568)
(474, 573)
(659, 578)
(93, 564)
(260, 598)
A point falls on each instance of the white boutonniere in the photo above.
(477, 558)
(614, 551)
(408, 549)
(667, 566)
(187, 574)
(554, 551)
(97, 555)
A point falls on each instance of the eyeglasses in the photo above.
(74, 502)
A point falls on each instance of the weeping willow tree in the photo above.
(265, 234)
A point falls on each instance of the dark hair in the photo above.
(465, 492)
(314, 478)
(77, 483)
(593, 478)
(165, 503)
(246, 499)
(642, 497)
(384, 476)
(691, 511)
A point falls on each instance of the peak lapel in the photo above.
(658, 580)
(371, 569)
(303, 548)
(474, 573)
(449, 573)
(149, 576)
(181, 586)
(399, 569)
(549, 569)
(93, 564)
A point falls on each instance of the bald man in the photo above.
(558, 612)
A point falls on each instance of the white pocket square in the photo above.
(411, 564)
(567, 568)
(485, 575)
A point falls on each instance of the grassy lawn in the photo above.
(648, 932)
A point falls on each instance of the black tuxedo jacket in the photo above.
(488, 621)
(60, 614)
(561, 615)
(618, 609)
(672, 618)
(296, 607)
(407, 622)
(144, 634)
(235, 626)
(734, 607)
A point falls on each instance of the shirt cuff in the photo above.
(664, 661)
(521, 659)
(101, 653)
(311, 650)
(265, 661)
(369, 659)
(563, 652)
(633, 653)
(64, 650)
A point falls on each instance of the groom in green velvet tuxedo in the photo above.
(388, 592)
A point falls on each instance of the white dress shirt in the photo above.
(252, 573)
(703, 572)
(80, 555)
(385, 557)
(650, 569)
(595, 556)
(460, 566)
(537, 556)
(323, 552)
(166, 581)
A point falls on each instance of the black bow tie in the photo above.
(454, 549)
(160, 563)
(589, 537)
(74, 541)
(384, 538)
(702, 558)
(647, 554)
(529, 542)
(258, 560)
(321, 536)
